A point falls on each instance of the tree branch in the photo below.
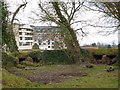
(48, 15)
(17, 10)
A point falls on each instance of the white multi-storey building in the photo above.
(23, 36)
(46, 37)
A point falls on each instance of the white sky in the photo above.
(92, 37)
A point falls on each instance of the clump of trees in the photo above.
(103, 45)
(7, 33)
(8, 37)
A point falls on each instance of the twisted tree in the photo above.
(63, 14)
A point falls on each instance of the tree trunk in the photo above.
(73, 48)
(12, 43)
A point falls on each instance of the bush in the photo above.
(8, 61)
(14, 53)
(85, 55)
(56, 57)
(29, 59)
(109, 51)
(35, 46)
(36, 56)
(20, 66)
(27, 63)
(53, 56)
(21, 55)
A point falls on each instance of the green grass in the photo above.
(110, 51)
(96, 77)
(10, 80)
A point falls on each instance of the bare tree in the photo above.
(111, 14)
(114, 9)
(63, 14)
(11, 40)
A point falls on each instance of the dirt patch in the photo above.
(47, 77)
(51, 75)
(74, 74)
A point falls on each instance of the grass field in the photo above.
(61, 76)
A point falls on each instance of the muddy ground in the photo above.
(49, 74)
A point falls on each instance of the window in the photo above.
(52, 43)
(28, 38)
(39, 43)
(44, 43)
(20, 33)
(19, 28)
(29, 30)
(20, 43)
(52, 46)
(48, 43)
(25, 33)
(48, 40)
(27, 44)
(20, 38)
(28, 33)
(48, 46)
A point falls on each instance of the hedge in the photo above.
(8, 61)
(106, 51)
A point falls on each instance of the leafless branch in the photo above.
(49, 17)
(17, 10)
(74, 10)
(83, 33)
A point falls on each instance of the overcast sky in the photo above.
(92, 37)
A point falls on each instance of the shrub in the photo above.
(35, 46)
(14, 53)
(85, 55)
(109, 51)
(27, 63)
(56, 57)
(20, 66)
(8, 61)
(29, 59)
(36, 56)
(21, 56)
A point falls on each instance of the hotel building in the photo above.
(46, 37)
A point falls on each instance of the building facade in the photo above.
(24, 36)
(46, 37)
